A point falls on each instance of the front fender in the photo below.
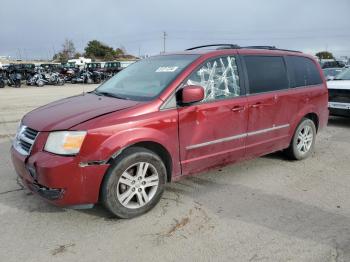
(110, 146)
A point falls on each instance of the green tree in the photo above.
(119, 52)
(98, 50)
(325, 55)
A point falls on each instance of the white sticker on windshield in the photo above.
(166, 69)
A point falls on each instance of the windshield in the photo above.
(147, 78)
(345, 75)
(332, 71)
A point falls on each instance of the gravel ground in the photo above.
(267, 209)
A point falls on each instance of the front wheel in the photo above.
(134, 184)
(303, 142)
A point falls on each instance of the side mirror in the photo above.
(192, 94)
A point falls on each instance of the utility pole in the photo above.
(164, 38)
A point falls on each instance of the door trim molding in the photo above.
(225, 139)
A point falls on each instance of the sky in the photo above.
(37, 28)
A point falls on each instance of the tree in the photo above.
(68, 52)
(98, 50)
(119, 52)
(68, 48)
(325, 55)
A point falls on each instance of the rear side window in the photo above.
(266, 73)
(303, 71)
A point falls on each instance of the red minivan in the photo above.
(170, 116)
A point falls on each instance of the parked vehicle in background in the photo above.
(13, 76)
(111, 68)
(69, 71)
(52, 67)
(80, 62)
(170, 116)
(97, 71)
(332, 64)
(42, 77)
(2, 78)
(339, 94)
(330, 73)
(84, 77)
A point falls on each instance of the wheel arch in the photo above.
(314, 117)
(155, 147)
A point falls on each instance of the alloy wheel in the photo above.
(305, 139)
(137, 185)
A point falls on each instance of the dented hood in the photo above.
(66, 113)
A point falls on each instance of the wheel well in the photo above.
(160, 151)
(314, 118)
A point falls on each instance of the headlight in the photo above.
(65, 142)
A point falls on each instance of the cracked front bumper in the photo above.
(59, 179)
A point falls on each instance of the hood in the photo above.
(339, 84)
(66, 113)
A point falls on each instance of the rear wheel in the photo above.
(134, 184)
(303, 142)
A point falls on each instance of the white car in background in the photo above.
(339, 94)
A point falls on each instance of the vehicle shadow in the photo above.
(339, 121)
(279, 155)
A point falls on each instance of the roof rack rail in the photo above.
(221, 46)
(267, 47)
(233, 46)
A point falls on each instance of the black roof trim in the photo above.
(233, 46)
(220, 46)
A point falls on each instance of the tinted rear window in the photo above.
(266, 73)
(303, 71)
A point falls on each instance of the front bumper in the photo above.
(339, 109)
(59, 179)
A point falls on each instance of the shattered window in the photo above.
(219, 77)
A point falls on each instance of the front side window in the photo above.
(147, 78)
(266, 73)
(219, 78)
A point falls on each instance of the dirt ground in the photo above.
(267, 209)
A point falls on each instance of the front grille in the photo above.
(25, 139)
(339, 95)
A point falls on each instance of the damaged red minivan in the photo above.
(169, 116)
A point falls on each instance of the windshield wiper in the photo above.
(108, 94)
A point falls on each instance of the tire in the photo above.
(127, 200)
(302, 145)
(40, 83)
(61, 82)
(2, 84)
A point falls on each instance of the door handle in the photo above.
(237, 108)
(257, 105)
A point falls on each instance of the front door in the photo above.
(213, 131)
